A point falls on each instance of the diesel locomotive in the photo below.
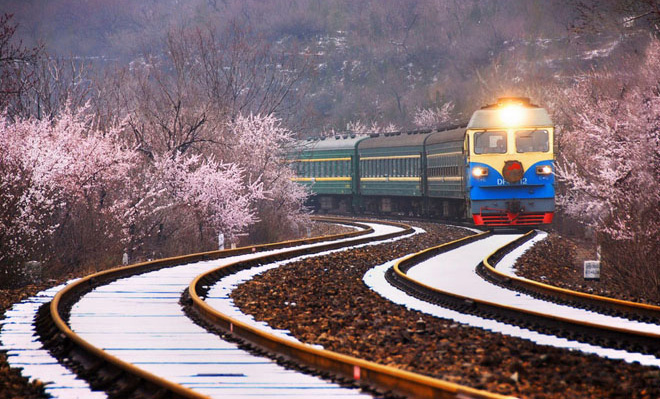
(498, 170)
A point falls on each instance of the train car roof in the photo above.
(391, 140)
(491, 118)
(345, 142)
(445, 136)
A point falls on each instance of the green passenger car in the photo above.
(391, 172)
(445, 172)
(328, 168)
(445, 164)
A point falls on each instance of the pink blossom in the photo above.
(610, 150)
(47, 168)
(430, 117)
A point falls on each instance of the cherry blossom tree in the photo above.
(181, 197)
(170, 117)
(259, 144)
(72, 194)
(164, 162)
(433, 117)
(360, 127)
(50, 172)
(609, 165)
(164, 109)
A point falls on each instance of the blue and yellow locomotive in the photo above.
(497, 170)
(511, 164)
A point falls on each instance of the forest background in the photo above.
(170, 98)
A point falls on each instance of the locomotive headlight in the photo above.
(512, 114)
(479, 171)
(544, 170)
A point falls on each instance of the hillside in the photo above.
(372, 61)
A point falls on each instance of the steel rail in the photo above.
(645, 312)
(384, 378)
(117, 377)
(646, 342)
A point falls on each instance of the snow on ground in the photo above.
(157, 336)
(151, 311)
(454, 271)
(219, 295)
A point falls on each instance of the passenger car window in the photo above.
(490, 142)
(532, 141)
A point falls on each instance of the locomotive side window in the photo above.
(490, 142)
(532, 141)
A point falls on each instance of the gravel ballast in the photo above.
(324, 301)
(12, 384)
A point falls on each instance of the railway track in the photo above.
(435, 276)
(641, 312)
(102, 346)
(82, 323)
(117, 373)
(207, 288)
(20, 337)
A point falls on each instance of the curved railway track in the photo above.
(63, 321)
(645, 313)
(136, 375)
(382, 379)
(120, 378)
(20, 339)
(637, 333)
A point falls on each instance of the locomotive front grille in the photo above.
(510, 219)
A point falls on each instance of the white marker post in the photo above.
(592, 270)
(221, 241)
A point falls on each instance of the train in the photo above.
(496, 170)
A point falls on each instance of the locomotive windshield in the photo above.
(490, 142)
(532, 141)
